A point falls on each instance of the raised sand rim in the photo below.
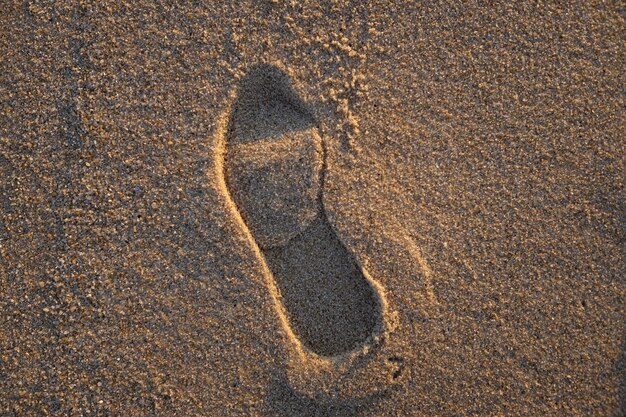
(274, 166)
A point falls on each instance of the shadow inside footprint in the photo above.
(274, 171)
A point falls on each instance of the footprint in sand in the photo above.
(274, 168)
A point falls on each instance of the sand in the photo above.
(269, 208)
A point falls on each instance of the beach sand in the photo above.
(334, 208)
